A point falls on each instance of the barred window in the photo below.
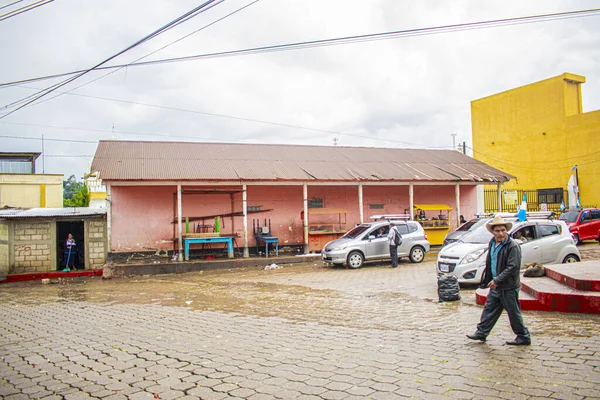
(315, 202)
(376, 206)
(254, 208)
(550, 196)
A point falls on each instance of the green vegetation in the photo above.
(75, 194)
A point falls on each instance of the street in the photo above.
(301, 331)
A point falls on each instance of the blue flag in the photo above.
(562, 205)
(523, 209)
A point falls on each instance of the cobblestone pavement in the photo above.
(304, 331)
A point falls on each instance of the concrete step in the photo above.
(584, 275)
(528, 302)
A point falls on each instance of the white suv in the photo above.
(543, 241)
(366, 242)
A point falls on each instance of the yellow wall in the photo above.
(537, 133)
(31, 190)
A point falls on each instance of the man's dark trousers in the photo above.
(394, 255)
(498, 300)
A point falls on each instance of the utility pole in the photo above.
(43, 157)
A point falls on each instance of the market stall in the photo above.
(324, 226)
(435, 219)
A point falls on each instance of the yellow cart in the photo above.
(435, 220)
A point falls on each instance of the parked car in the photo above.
(465, 228)
(543, 241)
(368, 242)
(584, 224)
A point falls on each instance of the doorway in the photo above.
(75, 228)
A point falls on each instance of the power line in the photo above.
(185, 17)
(344, 40)
(11, 4)
(50, 139)
(21, 10)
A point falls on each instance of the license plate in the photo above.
(444, 267)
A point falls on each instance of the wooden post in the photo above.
(457, 193)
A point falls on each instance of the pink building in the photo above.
(161, 193)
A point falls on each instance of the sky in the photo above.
(407, 92)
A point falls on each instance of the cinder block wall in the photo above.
(96, 243)
(32, 247)
(4, 250)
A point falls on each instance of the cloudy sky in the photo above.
(410, 92)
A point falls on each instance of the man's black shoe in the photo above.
(519, 342)
(476, 336)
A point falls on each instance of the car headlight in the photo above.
(342, 247)
(469, 258)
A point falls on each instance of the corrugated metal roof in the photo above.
(10, 213)
(180, 161)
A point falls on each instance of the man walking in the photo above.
(394, 240)
(502, 276)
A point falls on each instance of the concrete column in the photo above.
(499, 197)
(411, 201)
(179, 214)
(360, 203)
(245, 211)
(457, 194)
(305, 197)
(108, 222)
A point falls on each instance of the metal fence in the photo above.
(491, 201)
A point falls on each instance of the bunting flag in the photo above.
(523, 209)
(562, 206)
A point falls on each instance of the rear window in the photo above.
(413, 227)
(595, 214)
(549, 230)
(569, 216)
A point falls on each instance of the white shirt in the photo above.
(390, 236)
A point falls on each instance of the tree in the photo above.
(75, 194)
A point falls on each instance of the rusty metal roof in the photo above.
(12, 213)
(117, 160)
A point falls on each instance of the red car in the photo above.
(584, 224)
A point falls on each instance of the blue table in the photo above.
(188, 241)
(266, 240)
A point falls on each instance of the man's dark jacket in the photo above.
(508, 266)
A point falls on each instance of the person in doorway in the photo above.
(394, 238)
(502, 277)
(70, 253)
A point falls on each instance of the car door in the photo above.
(377, 247)
(530, 250)
(595, 228)
(585, 225)
(551, 243)
(407, 240)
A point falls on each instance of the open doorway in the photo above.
(76, 258)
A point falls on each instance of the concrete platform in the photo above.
(573, 288)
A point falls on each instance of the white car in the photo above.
(543, 241)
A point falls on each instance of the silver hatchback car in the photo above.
(368, 242)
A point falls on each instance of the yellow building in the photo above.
(540, 134)
(21, 187)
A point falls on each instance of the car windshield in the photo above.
(472, 224)
(569, 216)
(478, 235)
(356, 232)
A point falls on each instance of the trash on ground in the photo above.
(272, 266)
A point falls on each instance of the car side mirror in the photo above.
(371, 237)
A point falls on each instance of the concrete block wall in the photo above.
(4, 250)
(32, 247)
(96, 243)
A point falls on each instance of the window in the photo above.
(254, 208)
(403, 229)
(595, 214)
(315, 202)
(376, 206)
(550, 196)
(549, 230)
(413, 227)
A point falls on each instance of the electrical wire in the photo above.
(185, 17)
(24, 9)
(11, 4)
(344, 40)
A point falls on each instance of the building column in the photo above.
(499, 197)
(179, 213)
(305, 222)
(457, 194)
(245, 211)
(360, 203)
(411, 201)
(108, 222)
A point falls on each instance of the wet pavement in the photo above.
(303, 331)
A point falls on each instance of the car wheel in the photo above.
(571, 258)
(355, 259)
(576, 239)
(417, 254)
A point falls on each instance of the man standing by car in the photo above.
(394, 239)
(502, 277)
